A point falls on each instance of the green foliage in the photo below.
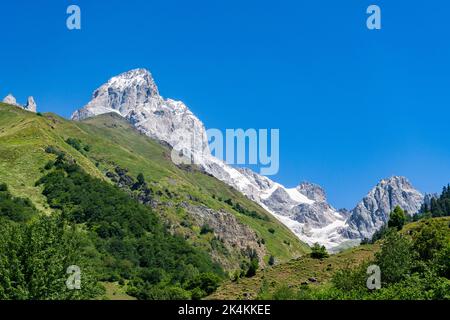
(319, 252)
(351, 279)
(34, 259)
(78, 145)
(140, 179)
(395, 258)
(284, 292)
(397, 218)
(438, 207)
(15, 209)
(250, 213)
(206, 229)
(430, 240)
(379, 234)
(204, 282)
(271, 260)
(254, 265)
(3, 187)
(129, 236)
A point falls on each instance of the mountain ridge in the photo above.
(135, 96)
(182, 195)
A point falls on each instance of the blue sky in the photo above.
(353, 106)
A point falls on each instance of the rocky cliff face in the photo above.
(373, 211)
(304, 209)
(312, 191)
(31, 105)
(235, 236)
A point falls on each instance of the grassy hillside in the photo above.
(113, 142)
(295, 273)
(301, 271)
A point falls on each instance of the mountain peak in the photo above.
(312, 191)
(398, 182)
(373, 211)
(134, 78)
(122, 94)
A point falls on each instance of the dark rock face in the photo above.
(124, 181)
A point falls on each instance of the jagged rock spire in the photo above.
(31, 105)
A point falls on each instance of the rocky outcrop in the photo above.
(30, 105)
(373, 211)
(312, 191)
(234, 235)
(10, 99)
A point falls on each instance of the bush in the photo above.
(207, 282)
(284, 292)
(395, 258)
(319, 252)
(254, 265)
(3, 187)
(271, 260)
(15, 209)
(430, 240)
(206, 229)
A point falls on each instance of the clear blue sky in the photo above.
(353, 106)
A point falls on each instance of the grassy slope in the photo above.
(300, 270)
(23, 139)
(294, 273)
(24, 136)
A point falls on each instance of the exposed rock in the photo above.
(373, 211)
(233, 234)
(312, 191)
(10, 99)
(31, 105)
(280, 201)
(428, 197)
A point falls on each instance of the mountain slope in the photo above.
(134, 96)
(178, 193)
(316, 273)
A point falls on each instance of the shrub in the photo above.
(395, 258)
(254, 265)
(271, 260)
(206, 229)
(319, 252)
